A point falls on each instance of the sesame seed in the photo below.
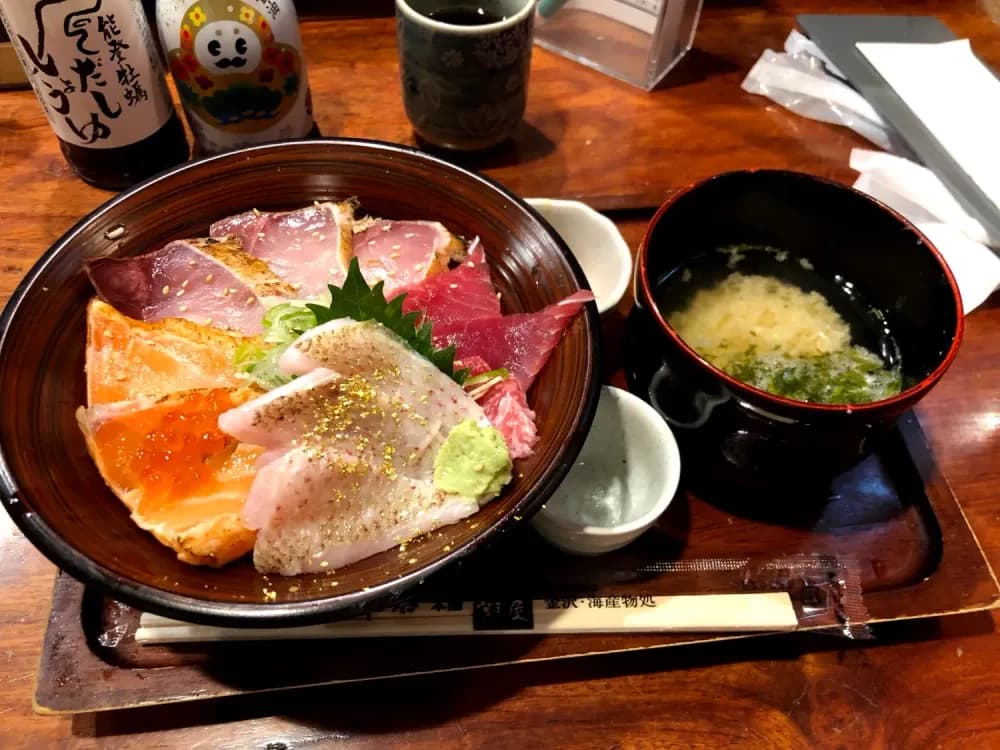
(453, 286)
(166, 289)
(180, 292)
(183, 308)
(209, 277)
(184, 283)
(394, 255)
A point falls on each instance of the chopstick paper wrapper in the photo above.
(722, 613)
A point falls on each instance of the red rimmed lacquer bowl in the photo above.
(732, 432)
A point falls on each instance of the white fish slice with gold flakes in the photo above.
(351, 445)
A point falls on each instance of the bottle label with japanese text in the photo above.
(93, 66)
(239, 69)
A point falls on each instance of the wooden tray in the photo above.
(894, 513)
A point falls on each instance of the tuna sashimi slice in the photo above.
(207, 281)
(462, 293)
(506, 406)
(402, 253)
(350, 448)
(521, 342)
(309, 248)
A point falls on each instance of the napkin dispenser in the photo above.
(636, 41)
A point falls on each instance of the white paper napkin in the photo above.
(916, 193)
(954, 95)
(936, 80)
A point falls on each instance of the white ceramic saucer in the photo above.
(597, 244)
(622, 481)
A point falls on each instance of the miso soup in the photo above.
(771, 321)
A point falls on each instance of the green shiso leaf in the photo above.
(356, 300)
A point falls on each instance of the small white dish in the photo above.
(622, 481)
(598, 246)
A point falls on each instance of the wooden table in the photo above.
(920, 684)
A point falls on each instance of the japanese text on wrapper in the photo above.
(602, 602)
(89, 81)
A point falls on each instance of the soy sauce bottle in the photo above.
(239, 70)
(94, 67)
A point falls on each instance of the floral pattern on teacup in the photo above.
(452, 58)
(501, 50)
(487, 118)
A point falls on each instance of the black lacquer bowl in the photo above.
(730, 431)
(56, 496)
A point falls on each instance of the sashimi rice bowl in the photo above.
(340, 366)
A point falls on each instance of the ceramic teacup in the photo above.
(464, 68)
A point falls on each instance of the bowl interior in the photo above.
(626, 473)
(873, 267)
(59, 499)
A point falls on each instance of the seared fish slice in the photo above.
(350, 447)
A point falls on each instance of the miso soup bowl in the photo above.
(729, 430)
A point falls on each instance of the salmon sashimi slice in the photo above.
(129, 359)
(183, 479)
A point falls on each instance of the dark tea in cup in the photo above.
(465, 15)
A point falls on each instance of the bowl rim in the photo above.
(652, 423)
(901, 400)
(283, 614)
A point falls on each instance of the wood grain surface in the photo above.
(930, 683)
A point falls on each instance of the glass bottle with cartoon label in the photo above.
(94, 66)
(239, 70)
